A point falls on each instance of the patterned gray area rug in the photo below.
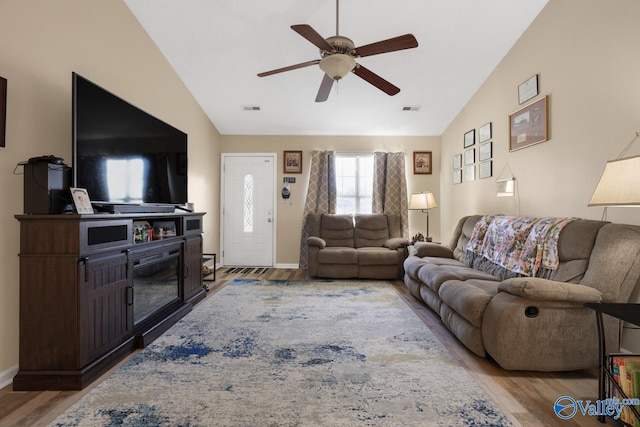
(292, 353)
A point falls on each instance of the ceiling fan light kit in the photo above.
(339, 55)
(337, 65)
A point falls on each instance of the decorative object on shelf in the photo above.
(485, 151)
(608, 385)
(422, 162)
(423, 202)
(3, 111)
(457, 176)
(528, 89)
(470, 156)
(485, 169)
(469, 138)
(457, 161)
(484, 133)
(81, 200)
(292, 162)
(615, 186)
(529, 125)
(417, 238)
(162, 229)
(470, 173)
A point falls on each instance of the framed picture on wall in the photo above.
(485, 151)
(484, 133)
(3, 110)
(422, 162)
(292, 162)
(469, 138)
(485, 169)
(470, 156)
(457, 161)
(529, 125)
(528, 89)
(457, 176)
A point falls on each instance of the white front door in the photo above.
(248, 217)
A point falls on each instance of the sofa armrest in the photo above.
(396, 242)
(432, 249)
(549, 290)
(316, 241)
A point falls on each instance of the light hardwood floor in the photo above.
(527, 397)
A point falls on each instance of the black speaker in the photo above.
(46, 187)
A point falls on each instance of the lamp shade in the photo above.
(619, 184)
(506, 187)
(422, 201)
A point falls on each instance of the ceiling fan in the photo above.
(338, 57)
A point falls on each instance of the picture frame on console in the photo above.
(292, 162)
(81, 200)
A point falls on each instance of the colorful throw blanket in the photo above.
(523, 246)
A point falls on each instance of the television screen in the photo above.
(123, 155)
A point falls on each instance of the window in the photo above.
(354, 182)
(248, 204)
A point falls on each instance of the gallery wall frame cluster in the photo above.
(528, 125)
(476, 158)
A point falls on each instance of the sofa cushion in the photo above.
(377, 256)
(337, 255)
(371, 230)
(468, 298)
(435, 275)
(337, 230)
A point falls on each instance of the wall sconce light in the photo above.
(506, 187)
(619, 184)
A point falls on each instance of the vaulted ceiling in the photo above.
(218, 47)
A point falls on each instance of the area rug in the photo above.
(292, 353)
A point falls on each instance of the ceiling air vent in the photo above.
(251, 107)
(411, 108)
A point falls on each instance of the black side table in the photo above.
(627, 313)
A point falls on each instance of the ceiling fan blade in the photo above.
(312, 35)
(289, 68)
(407, 41)
(375, 80)
(325, 89)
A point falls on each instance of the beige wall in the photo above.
(584, 51)
(585, 54)
(290, 211)
(41, 43)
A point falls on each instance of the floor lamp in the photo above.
(423, 202)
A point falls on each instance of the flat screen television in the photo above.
(123, 155)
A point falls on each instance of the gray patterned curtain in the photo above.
(321, 194)
(390, 187)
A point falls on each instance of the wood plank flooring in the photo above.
(526, 397)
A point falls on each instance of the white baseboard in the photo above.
(288, 266)
(6, 376)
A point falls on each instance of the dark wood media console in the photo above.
(93, 288)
